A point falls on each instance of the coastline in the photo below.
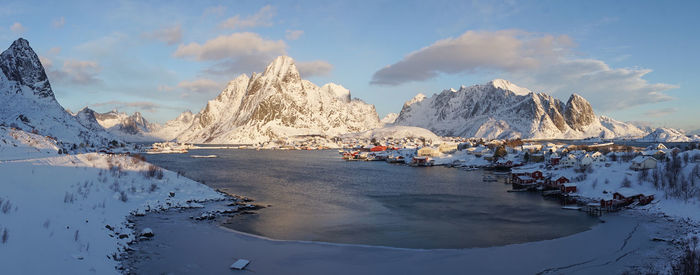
(624, 240)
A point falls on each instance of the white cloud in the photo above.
(231, 46)
(72, 71)
(58, 23)
(661, 112)
(261, 18)
(135, 105)
(314, 68)
(235, 53)
(170, 35)
(293, 34)
(532, 60)
(17, 28)
(201, 86)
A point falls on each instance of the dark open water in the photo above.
(316, 196)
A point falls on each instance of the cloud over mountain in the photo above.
(539, 60)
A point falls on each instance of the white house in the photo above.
(642, 163)
(568, 161)
(584, 161)
(598, 157)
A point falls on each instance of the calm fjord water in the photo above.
(316, 196)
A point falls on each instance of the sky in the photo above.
(633, 60)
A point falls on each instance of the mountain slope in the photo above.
(28, 101)
(501, 109)
(275, 105)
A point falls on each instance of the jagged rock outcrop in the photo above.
(501, 109)
(28, 101)
(278, 104)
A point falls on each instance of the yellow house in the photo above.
(428, 152)
(448, 147)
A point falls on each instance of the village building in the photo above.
(428, 152)
(569, 160)
(448, 147)
(584, 161)
(598, 157)
(643, 163)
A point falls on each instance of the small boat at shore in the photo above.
(204, 156)
(489, 179)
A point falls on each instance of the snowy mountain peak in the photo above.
(22, 67)
(282, 68)
(418, 98)
(338, 91)
(275, 105)
(508, 86)
(492, 111)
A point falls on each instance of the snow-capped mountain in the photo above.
(277, 104)
(28, 101)
(667, 135)
(128, 127)
(389, 118)
(171, 129)
(501, 109)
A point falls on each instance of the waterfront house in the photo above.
(428, 152)
(568, 187)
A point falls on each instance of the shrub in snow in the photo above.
(626, 183)
(123, 197)
(6, 206)
(690, 261)
(5, 236)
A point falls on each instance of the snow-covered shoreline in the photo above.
(70, 212)
(626, 239)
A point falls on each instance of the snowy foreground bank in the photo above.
(67, 214)
(631, 241)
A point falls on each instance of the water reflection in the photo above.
(316, 196)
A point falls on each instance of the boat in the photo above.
(489, 179)
(422, 161)
(517, 190)
(501, 173)
(204, 156)
(395, 159)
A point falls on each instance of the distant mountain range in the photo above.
(278, 104)
(501, 109)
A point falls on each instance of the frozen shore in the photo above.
(635, 240)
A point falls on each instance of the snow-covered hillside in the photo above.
(28, 102)
(395, 132)
(501, 109)
(66, 214)
(277, 104)
(18, 144)
(667, 135)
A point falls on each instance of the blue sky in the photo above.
(634, 60)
